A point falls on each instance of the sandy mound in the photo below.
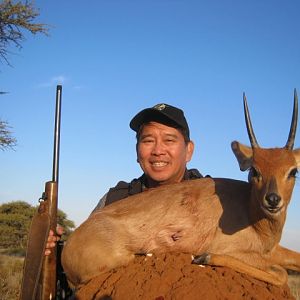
(172, 276)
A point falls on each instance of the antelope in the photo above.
(222, 222)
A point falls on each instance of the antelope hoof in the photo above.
(202, 259)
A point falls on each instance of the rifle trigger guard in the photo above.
(42, 207)
(43, 197)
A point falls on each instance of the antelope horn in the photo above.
(251, 135)
(290, 142)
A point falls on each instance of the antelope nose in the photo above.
(273, 199)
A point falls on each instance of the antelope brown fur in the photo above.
(221, 221)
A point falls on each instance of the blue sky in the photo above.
(115, 58)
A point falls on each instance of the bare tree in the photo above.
(15, 19)
(6, 138)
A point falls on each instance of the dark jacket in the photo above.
(124, 189)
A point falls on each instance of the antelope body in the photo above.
(223, 222)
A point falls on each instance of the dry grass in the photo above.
(294, 284)
(10, 277)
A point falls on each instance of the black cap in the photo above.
(161, 113)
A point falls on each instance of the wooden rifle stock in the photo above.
(39, 275)
(48, 276)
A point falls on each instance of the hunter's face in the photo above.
(162, 153)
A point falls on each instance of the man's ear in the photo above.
(137, 152)
(190, 151)
(243, 154)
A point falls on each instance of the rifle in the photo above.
(39, 274)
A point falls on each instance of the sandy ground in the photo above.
(172, 276)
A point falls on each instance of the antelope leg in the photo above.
(274, 274)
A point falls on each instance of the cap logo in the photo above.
(160, 106)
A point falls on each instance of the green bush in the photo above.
(15, 219)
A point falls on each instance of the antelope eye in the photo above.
(254, 173)
(293, 173)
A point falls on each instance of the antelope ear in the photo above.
(244, 155)
(297, 157)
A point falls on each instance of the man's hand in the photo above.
(53, 239)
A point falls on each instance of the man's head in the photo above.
(163, 143)
(162, 113)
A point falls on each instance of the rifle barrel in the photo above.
(57, 134)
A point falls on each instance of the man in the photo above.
(163, 150)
